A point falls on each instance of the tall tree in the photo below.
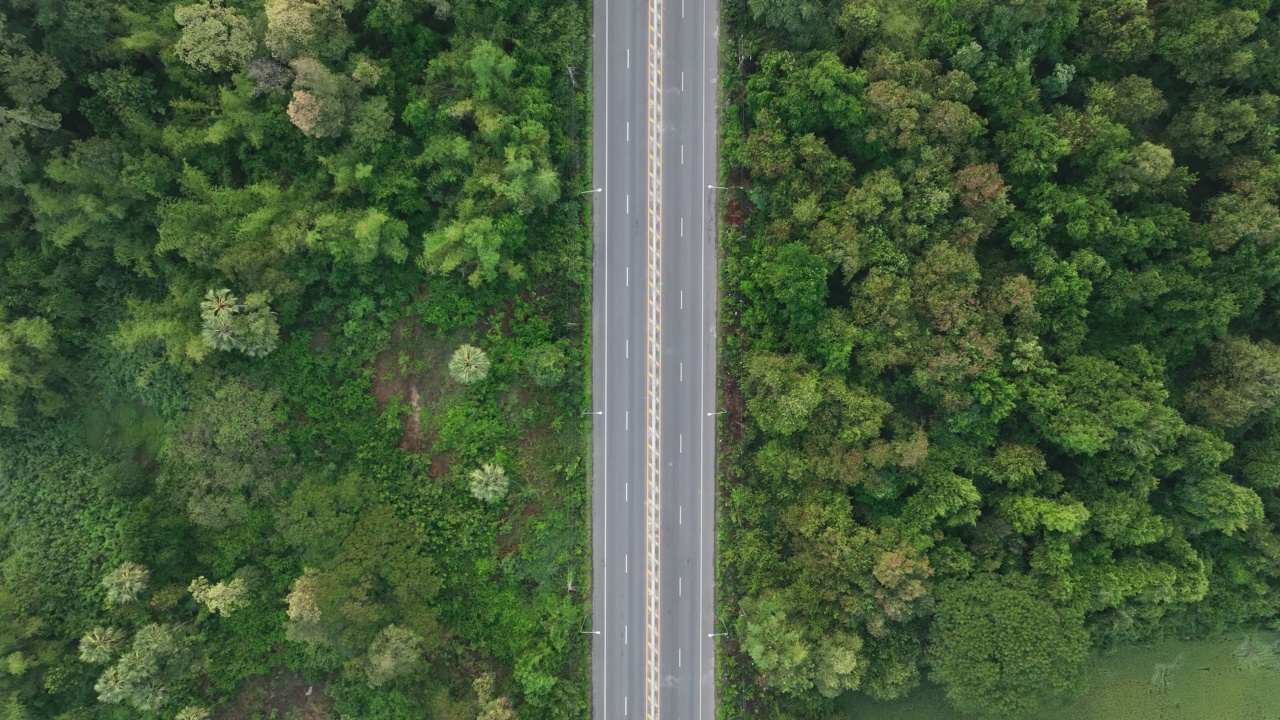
(214, 37)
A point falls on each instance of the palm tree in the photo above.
(469, 364)
(218, 303)
(126, 583)
(219, 332)
(100, 644)
(489, 482)
(112, 686)
(151, 697)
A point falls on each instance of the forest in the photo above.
(293, 318)
(1001, 355)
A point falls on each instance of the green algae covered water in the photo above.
(1234, 678)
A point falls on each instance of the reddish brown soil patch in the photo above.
(508, 310)
(278, 694)
(535, 461)
(735, 419)
(532, 448)
(413, 421)
(412, 369)
(388, 379)
(731, 388)
(733, 212)
(440, 464)
(508, 540)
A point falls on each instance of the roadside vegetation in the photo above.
(1000, 357)
(293, 305)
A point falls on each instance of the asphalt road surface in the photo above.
(654, 358)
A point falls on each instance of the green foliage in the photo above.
(473, 241)
(491, 707)
(546, 365)
(798, 283)
(1243, 381)
(486, 150)
(1205, 42)
(784, 395)
(301, 28)
(382, 575)
(287, 463)
(214, 37)
(28, 357)
(304, 613)
(804, 22)
(838, 665)
(227, 453)
(1091, 402)
(774, 644)
(1222, 504)
(1000, 650)
(320, 514)
(792, 662)
(1254, 654)
(27, 79)
(250, 327)
(321, 99)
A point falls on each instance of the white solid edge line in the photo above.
(604, 434)
(703, 369)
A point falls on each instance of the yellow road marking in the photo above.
(654, 351)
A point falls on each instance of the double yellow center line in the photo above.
(653, 385)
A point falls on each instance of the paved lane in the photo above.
(690, 33)
(618, 358)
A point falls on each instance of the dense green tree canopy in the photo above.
(239, 243)
(1001, 299)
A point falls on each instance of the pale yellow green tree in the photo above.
(221, 598)
(489, 483)
(491, 708)
(297, 28)
(469, 364)
(392, 653)
(303, 611)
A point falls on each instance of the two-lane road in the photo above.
(687, 656)
(654, 301)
